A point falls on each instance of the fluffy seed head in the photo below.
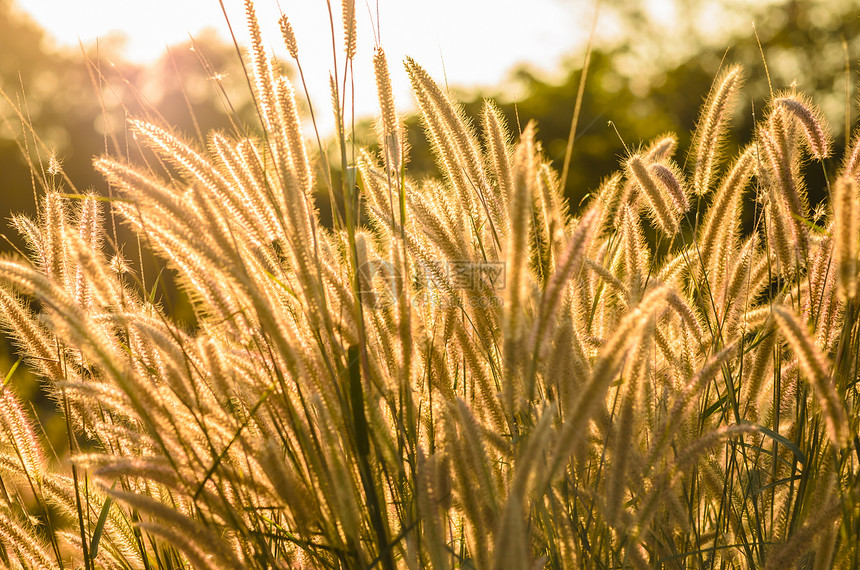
(710, 131)
(809, 118)
(812, 362)
(384, 91)
(662, 148)
(349, 27)
(846, 231)
(391, 132)
(671, 178)
(851, 162)
(663, 215)
(289, 37)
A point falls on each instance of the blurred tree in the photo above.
(653, 76)
(74, 99)
(73, 105)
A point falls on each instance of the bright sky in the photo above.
(471, 42)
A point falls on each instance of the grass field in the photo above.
(461, 372)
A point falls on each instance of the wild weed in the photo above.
(461, 372)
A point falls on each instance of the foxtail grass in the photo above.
(459, 372)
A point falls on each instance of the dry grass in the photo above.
(475, 377)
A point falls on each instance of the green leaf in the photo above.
(155, 286)
(96, 198)
(100, 526)
(10, 373)
(283, 286)
(801, 457)
(811, 225)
